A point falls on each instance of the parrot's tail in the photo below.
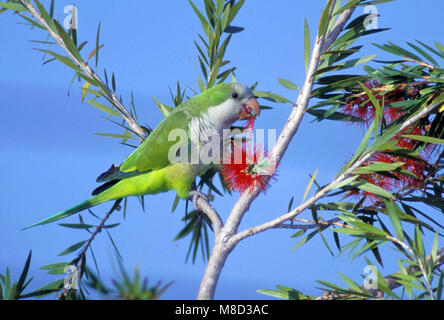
(91, 202)
(112, 190)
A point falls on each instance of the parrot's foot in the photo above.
(194, 196)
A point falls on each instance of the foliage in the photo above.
(14, 290)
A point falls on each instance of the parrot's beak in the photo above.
(250, 109)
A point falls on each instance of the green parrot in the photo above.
(150, 169)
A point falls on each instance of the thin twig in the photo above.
(420, 63)
(99, 228)
(203, 205)
(311, 224)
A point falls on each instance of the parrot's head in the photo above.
(239, 103)
(244, 102)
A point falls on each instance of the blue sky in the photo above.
(50, 157)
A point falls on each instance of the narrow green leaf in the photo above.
(306, 44)
(201, 85)
(225, 16)
(233, 29)
(113, 81)
(235, 9)
(288, 84)
(110, 226)
(348, 5)
(439, 46)
(219, 8)
(45, 15)
(424, 138)
(104, 108)
(117, 136)
(378, 166)
(397, 50)
(76, 225)
(85, 89)
(203, 68)
(270, 96)
(418, 243)
(336, 116)
(114, 244)
(73, 248)
(186, 230)
(395, 213)
(309, 185)
(51, 9)
(353, 285)
(166, 110)
(284, 293)
(423, 53)
(342, 183)
(434, 251)
(299, 233)
(326, 244)
(323, 23)
(23, 275)
(64, 59)
(47, 289)
(12, 6)
(97, 46)
(373, 189)
(205, 25)
(358, 61)
(224, 75)
(304, 240)
(32, 22)
(431, 49)
(55, 265)
(290, 204)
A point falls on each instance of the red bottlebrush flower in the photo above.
(360, 106)
(395, 181)
(392, 114)
(246, 167)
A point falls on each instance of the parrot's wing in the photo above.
(153, 153)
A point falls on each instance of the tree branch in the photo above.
(109, 94)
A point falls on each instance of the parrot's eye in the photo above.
(235, 95)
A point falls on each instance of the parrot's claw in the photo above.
(194, 197)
